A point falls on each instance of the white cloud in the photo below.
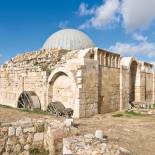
(138, 14)
(139, 37)
(134, 14)
(84, 10)
(104, 15)
(126, 49)
(63, 24)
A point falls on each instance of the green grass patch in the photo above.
(128, 114)
(118, 115)
(132, 113)
(5, 106)
(35, 111)
(36, 151)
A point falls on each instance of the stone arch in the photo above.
(28, 100)
(62, 88)
(132, 80)
(127, 61)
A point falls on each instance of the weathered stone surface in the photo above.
(3, 131)
(11, 131)
(17, 148)
(6, 153)
(29, 129)
(25, 153)
(38, 139)
(22, 140)
(27, 122)
(30, 139)
(18, 131)
(89, 145)
(27, 147)
(2, 145)
(51, 139)
(11, 141)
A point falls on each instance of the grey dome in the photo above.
(69, 39)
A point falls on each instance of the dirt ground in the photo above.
(135, 133)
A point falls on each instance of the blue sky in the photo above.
(124, 26)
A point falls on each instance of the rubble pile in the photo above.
(90, 145)
(42, 60)
(25, 135)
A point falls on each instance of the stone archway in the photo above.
(62, 89)
(132, 80)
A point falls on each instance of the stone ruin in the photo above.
(70, 69)
(53, 137)
(89, 81)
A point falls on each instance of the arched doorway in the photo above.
(62, 89)
(132, 80)
(28, 100)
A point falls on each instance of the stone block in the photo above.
(29, 129)
(17, 148)
(2, 145)
(11, 131)
(18, 131)
(27, 147)
(38, 139)
(29, 139)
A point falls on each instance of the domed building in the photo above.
(69, 39)
(71, 71)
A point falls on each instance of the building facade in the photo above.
(71, 70)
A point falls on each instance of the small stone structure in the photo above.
(24, 136)
(53, 137)
(85, 78)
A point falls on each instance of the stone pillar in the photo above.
(121, 87)
(153, 100)
(112, 62)
(109, 61)
(105, 60)
(116, 62)
(119, 59)
(96, 55)
(100, 57)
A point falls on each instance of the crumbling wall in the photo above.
(12, 85)
(30, 72)
(27, 135)
(90, 145)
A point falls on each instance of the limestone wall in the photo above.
(153, 85)
(12, 84)
(124, 88)
(109, 89)
(146, 87)
(26, 136)
(88, 93)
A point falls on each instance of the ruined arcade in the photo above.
(72, 70)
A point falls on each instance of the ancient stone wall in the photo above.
(88, 93)
(124, 87)
(30, 72)
(27, 136)
(146, 87)
(13, 84)
(110, 89)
